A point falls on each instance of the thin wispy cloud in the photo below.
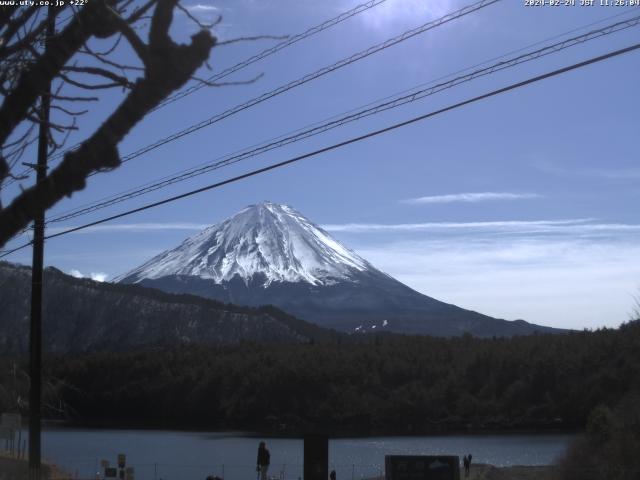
(573, 226)
(618, 174)
(565, 170)
(133, 227)
(200, 7)
(512, 225)
(201, 14)
(562, 282)
(575, 272)
(469, 198)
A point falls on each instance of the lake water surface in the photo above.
(175, 455)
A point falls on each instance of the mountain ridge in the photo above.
(83, 315)
(271, 254)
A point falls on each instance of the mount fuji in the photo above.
(271, 254)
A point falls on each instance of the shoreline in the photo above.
(294, 433)
(19, 467)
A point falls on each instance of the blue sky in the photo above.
(520, 206)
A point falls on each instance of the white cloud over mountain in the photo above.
(97, 276)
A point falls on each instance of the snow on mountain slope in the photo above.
(270, 254)
(267, 238)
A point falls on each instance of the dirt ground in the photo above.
(489, 472)
(13, 469)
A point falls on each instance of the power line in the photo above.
(276, 48)
(335, 146)
(432, 82)
(312, 76)
(351, 117)
(245, 63)
(324, 25)
(309, 77)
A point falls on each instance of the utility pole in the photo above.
(35, 340)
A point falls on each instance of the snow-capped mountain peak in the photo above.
(269, 254)
(269, 239)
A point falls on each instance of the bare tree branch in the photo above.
(160, 23)
(138, 13)
(251, 39)
(17, 153)
(132, 37)
(52, 125)
(28, 39)
(19, 139)
(89, 86)
(61, 47)
(5, 15)
(71, 113)
(17, 177)
(109, 50)
(4, 168)
(13, 26)
(232, 83)
(121, 8)
(74, 99)
(100, 57)
(169, 66)
(57, 145)
(117, 79)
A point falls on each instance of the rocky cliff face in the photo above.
(81, 315)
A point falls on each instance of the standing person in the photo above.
(264, 458)
(332, 475)
(465, 462)
(468, 464)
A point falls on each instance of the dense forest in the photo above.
(354, 384)
(609, 447)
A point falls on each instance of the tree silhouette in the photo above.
(26, 68)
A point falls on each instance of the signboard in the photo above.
(316, 457)
(110, 472)
(422, 467)
(122, 460)
(12, 421)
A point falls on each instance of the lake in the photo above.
(179, 455)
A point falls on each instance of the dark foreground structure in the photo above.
(422, 467)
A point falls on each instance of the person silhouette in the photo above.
(264, 458)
